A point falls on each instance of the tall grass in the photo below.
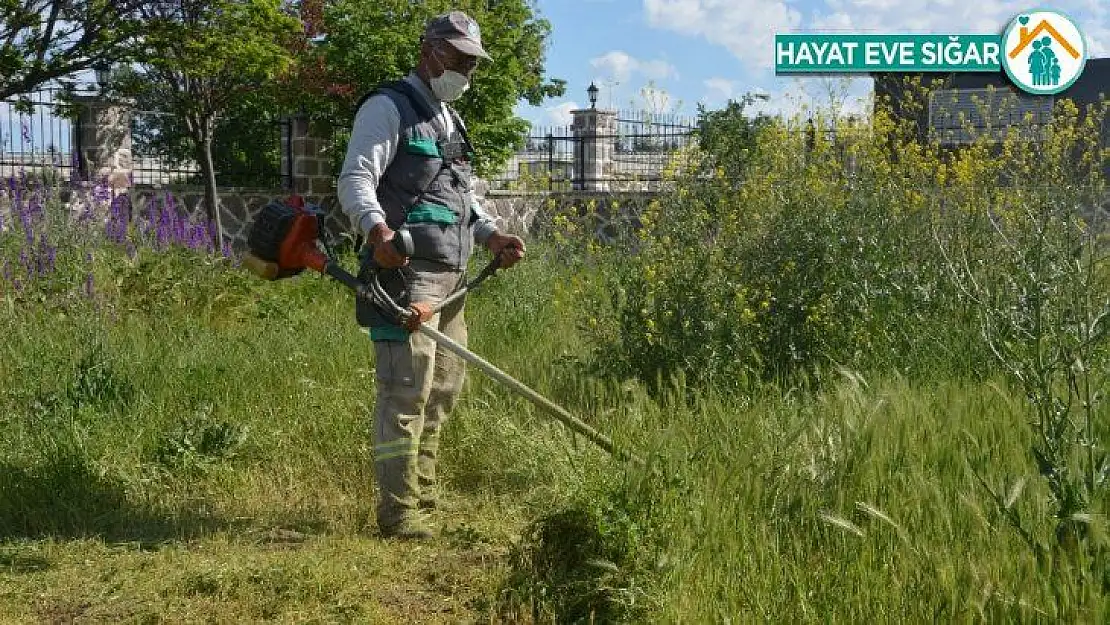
(889, 477)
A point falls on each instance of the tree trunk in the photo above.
(208, 170)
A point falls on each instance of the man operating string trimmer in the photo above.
(409, 164)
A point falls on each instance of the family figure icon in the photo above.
(1044, 64)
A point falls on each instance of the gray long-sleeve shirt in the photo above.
(374, 139)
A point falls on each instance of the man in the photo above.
(408, 164)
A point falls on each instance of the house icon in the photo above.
(1026, 37)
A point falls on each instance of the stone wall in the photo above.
(239, 206)
(602, 214)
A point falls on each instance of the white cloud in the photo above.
(802, 96)
(746, 28)
(559, 115)
(719, 90)
(619, 66)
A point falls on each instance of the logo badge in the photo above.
(1044, 51)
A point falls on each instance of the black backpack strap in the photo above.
(394, 91)
(418, 103)
(462, 129)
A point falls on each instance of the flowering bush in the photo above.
(830, 253)
(50, 236)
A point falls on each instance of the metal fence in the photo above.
(634, 157)
(38, 138)
(260, 157)
(34, 141)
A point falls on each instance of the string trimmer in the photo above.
(283, 242)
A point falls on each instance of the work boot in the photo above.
(410, 528)
(429, 495)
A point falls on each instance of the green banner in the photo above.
(805, 53)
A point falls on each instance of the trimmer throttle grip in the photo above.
(402, 242)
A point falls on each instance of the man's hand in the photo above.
(421, 312)
(384, 253)
(510, 248)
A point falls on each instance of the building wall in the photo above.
(890, 93)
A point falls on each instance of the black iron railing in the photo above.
(34, 139)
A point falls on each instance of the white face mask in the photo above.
(450, 85)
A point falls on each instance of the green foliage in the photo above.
(98, 383)
(204, 62)
(783, 255)
(1038, 276)
(128, 416)
(198, 442)
(728, 137)
(592, 560)
(42, 40)
(369, 43)
(246, 148)
(61, 493)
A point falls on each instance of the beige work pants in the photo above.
(418, 384)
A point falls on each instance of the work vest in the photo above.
(427, 187)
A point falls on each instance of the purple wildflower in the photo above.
(44, 259)
(35, 204)
(116, 228)
(89, 284)
(26, 263)
(51, 255)
(101, 192)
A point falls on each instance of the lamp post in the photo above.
(103, 71)
(592, 91)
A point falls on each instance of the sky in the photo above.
(668, 56)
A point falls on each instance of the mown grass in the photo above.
(206, 457)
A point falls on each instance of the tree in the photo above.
(368, 43)
(728, 136)
(42, 40)
(206, 58)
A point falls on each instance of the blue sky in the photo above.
(669, 55)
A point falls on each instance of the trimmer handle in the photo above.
(402, 242)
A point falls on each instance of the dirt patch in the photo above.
(414, 604)
(61, 611)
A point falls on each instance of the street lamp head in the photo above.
(103, 71)
(592, 91)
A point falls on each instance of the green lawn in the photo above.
(193, 447)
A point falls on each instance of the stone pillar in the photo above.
(307, 159)
(102, 140)
(595, 131)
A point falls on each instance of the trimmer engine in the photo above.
(282, 241)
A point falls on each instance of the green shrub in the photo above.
(825, 251)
